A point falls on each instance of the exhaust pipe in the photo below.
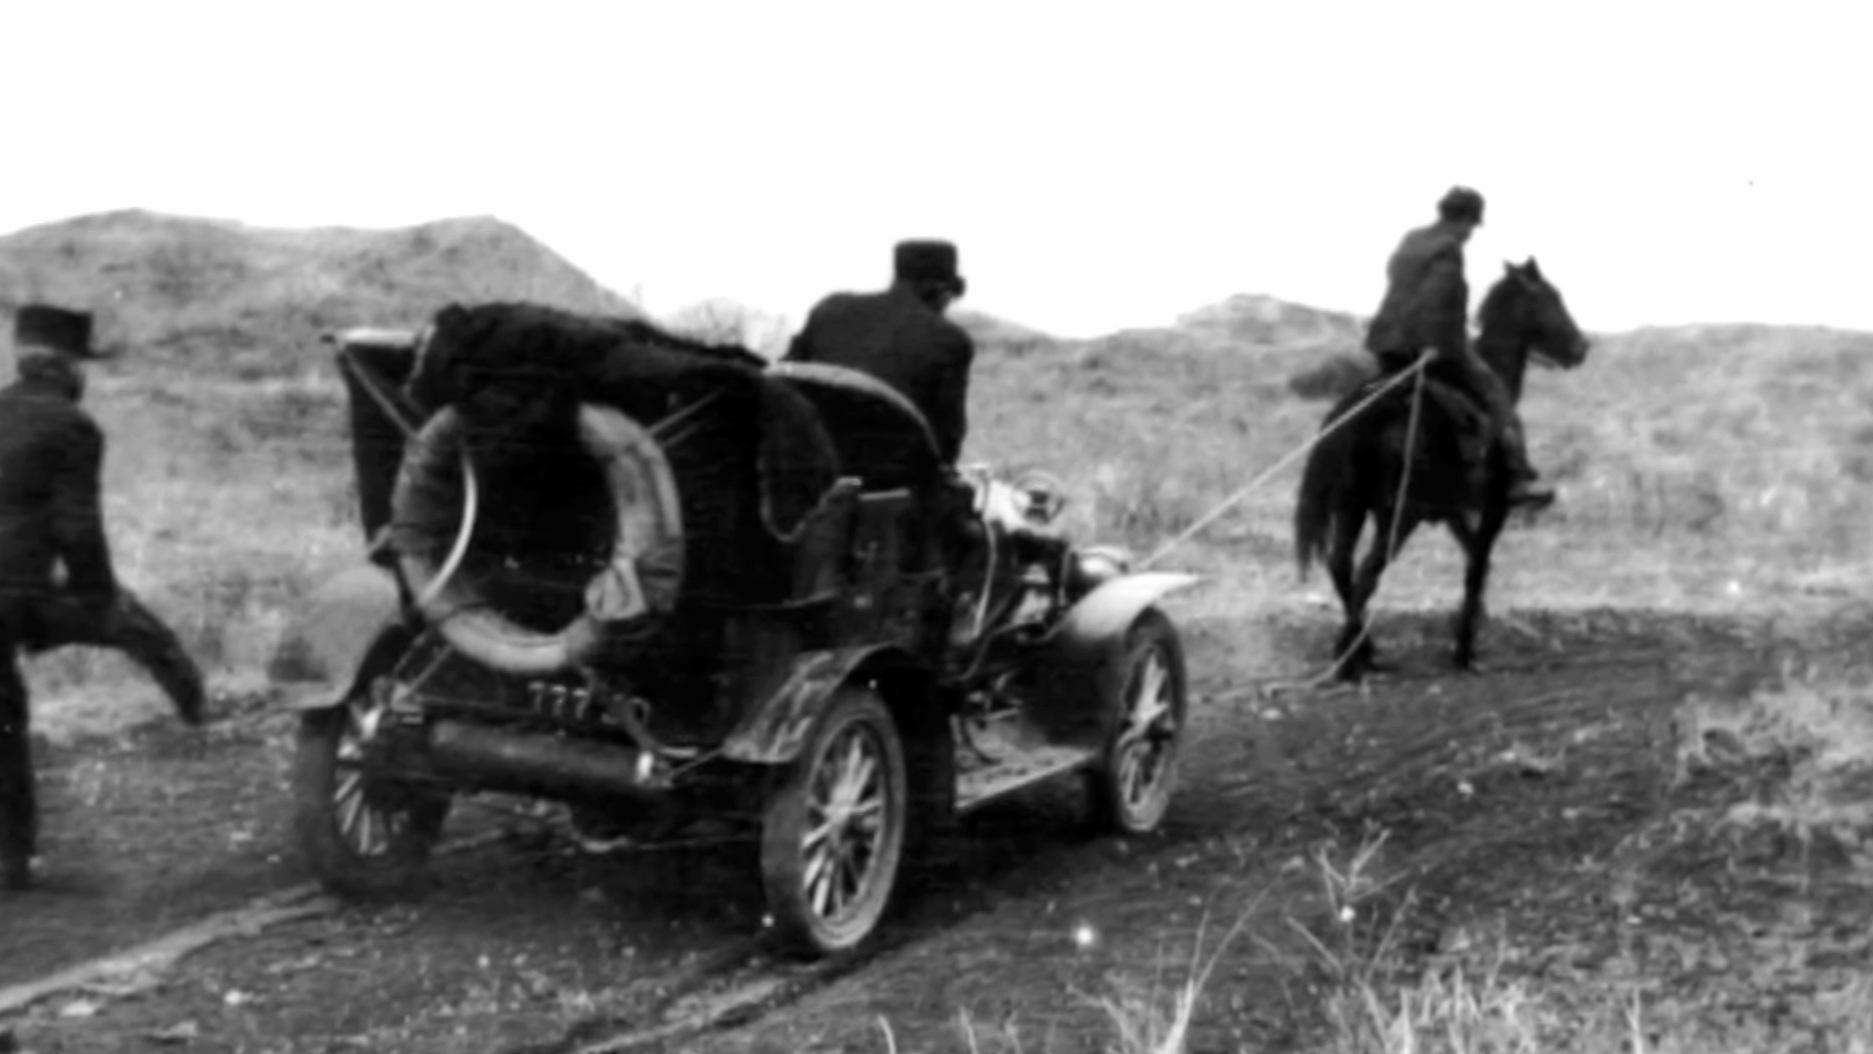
(540, 763)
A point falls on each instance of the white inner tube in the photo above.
(471, 510)
(640, 580)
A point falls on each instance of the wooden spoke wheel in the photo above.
(1130, 787)
(363, 835)
(833, 831)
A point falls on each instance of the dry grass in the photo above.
(1797, 759)
(1815, 736)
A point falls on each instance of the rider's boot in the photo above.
(1525, 488)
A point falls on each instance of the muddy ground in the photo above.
(1515, 798)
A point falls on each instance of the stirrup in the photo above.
(1529, 494)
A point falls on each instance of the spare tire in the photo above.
(638, 584)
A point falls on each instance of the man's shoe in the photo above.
(1529, 494)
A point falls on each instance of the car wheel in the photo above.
(833, 828)
(1130, 788)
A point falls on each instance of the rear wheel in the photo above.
(363, 835)
(1130, 788)
(833, 830)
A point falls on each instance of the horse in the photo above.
(1456, 477)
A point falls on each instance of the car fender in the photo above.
(1109, 610)
(322, 653)
(774, 730)
(1087, 640)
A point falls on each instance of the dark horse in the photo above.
(1355, 472)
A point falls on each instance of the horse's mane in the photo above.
(1500, 301)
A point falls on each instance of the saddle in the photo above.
(1470, 427)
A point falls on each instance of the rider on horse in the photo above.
(1427, 306)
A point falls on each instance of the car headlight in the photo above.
(1039, 497)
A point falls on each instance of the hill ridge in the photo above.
(210, 291)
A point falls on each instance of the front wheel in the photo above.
(1130, 788)
(833, 831)
(363, 835)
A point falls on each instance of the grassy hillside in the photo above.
(238, 301)
(1710, 468)
(1254, 320)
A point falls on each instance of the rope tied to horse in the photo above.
(1415, 370)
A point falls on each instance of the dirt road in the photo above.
(1017, 928)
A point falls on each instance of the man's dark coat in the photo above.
(1426, 301)
(902, 341)
(50, 455)
(50, 451)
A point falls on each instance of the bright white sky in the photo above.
(1101, 165)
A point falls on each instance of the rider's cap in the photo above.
(1461, 203)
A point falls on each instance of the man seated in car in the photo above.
(900, 336)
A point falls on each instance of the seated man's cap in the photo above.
(926, 260)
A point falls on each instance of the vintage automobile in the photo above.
(894, 671)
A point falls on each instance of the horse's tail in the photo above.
(1331, 474)
(1320, 485)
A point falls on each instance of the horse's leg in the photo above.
(1340, 551)
(1387, 542)
(1477, 542)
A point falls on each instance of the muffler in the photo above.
(539, 763)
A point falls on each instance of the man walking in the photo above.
(57, 585)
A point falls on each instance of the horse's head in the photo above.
(1525, 304)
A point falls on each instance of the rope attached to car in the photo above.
(1413, 373)
(1415, 370)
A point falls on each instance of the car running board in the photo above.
(1017, 769)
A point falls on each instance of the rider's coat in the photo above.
(1426, 298)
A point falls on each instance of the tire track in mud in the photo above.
(751, 978)
(163, 952)
(730, 989)
(741, 986)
